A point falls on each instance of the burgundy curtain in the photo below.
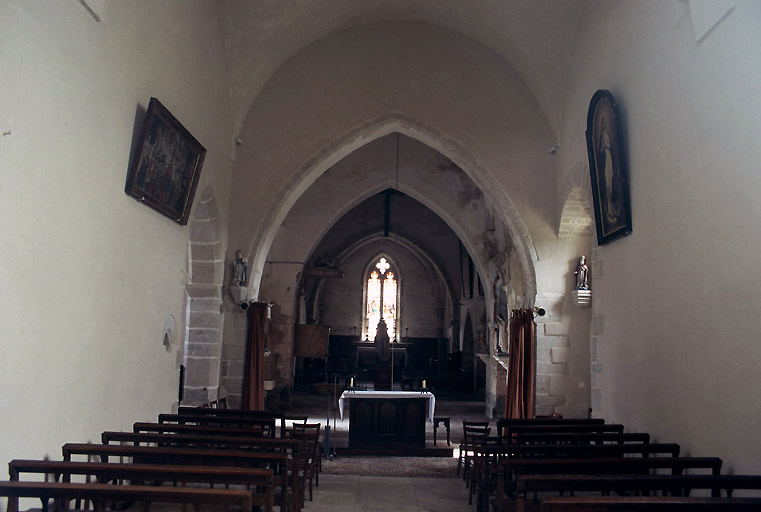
(522, 366)
(253, 380)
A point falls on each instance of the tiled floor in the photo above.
(348, 493)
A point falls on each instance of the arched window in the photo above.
(381, 297)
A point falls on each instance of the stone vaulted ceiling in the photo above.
(534, 36)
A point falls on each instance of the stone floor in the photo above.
(347, 493)
(350, 493)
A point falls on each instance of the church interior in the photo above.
(422, 166)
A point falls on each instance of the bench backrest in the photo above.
(528, 485)
(579, 450)
(580, 437)
(648, 504)
(504, 423)
(224, 421)
(512, 430)
(259, 480)
(105, 495)
(179, 455)
(193, 411)
(175, 428)
(201, 441)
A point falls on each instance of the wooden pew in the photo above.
(511, 469)
(299, 449)
(229, 413)
(486, 457)
(260, 481)
(267, 423)
(504, 423)
(287, 446)
(580, 450)
(175, 428)
(511, 431)
(167, 428)
(580, 437)
(528, 487)
(185, 409)
(103, 495)
(285, 476)
(648, 504)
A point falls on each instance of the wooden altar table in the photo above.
(388, 418)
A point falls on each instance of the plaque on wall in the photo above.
(312, 340)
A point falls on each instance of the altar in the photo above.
(387, 418)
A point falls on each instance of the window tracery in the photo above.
(381, 299)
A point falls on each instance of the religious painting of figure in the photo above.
(165, 170)
(607, 168)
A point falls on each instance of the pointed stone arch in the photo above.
(203, 316)
(304, 177)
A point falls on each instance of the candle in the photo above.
(423, 384)
(351, 382)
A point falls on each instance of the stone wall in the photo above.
(204, 302)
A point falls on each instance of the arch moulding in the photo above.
(494, 194)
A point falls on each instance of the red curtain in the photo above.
(522, 366)
(253, 381)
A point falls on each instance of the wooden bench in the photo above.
(509, 470)
(258, 480)
(267, 423)
(286, 477)
(648, 504)
(190, 440)
(511, 431)
(579, 450)
(104, 495)
(184, 409)
(504, 423)
(175, 428)
(528, 487)
(486, 457)
(580, 437)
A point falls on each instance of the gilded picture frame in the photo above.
(165, 170)
(607, 169)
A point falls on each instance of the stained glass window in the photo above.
(381, 299)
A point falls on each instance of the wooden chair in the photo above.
(308, 435)
(293, 419)
(473, 433)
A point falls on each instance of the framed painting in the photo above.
(607, 168)
(164, 173)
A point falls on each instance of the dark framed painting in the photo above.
(607, 168)
(165, 170)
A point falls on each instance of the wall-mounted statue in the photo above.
(582, 274)
(240, 270)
